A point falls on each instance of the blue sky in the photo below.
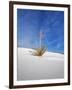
(50, 23)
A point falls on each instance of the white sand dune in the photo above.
(48, 66)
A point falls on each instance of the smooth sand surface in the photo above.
(48, 66)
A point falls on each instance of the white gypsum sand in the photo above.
(48, 66)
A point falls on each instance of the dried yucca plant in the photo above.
(39, 51)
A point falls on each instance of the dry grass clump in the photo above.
(39, 51)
